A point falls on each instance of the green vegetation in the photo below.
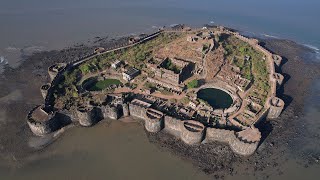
(100, 85)
(254, 69)
(171, 66)
(138, 55)
(149, 85)
(193, 84)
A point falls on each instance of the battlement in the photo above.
(55, 69)
(276, 107)
(44, 90)
(278, 78)
(192, 132)
(277, 59)
(42, 121)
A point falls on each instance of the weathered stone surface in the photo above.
(153, 120)
(110, 112)
(276, 107)
(86, 116)
(192, 132)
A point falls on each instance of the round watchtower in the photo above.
(277, 77)
(55, 69)
(246, 141)
(192, 132)
(277, 59)
(154, 120)
(276, 107)
(42, 121)
(99, 50)
(44, 90)
(85, 116)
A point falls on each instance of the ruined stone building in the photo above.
(173, 71)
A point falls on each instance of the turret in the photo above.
(44, 90)
(277, 77)
(153, 120)
(86, 116)
(192, 132)
(277, 59)
(55, 69)
(246, 141)
(42, 121)
(276, 107)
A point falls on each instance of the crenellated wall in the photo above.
(229, 137)
(173, 124)
(137, 111)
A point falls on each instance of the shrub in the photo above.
(193, 84)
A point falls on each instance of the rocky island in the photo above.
(200, 85)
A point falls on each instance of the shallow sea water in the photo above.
(118, 151)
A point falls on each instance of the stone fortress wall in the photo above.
(191, 132)
(42, 122)
(276, 79)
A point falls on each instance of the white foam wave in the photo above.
(3, 60)
(271, 36)
(211, 22)
(10, 49)
(316, 49)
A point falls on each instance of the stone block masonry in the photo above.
(153, 120)
(276, 107)
(42, 122)
(111, 112)
(236, 143)
(192, 132)
(86, 116)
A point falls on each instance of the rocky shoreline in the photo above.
(19, 92)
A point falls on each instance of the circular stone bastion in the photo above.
(192, 132)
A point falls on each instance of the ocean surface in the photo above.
(122, 151)
(35, 25)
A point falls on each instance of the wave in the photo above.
(270, 36)
(316, 49)
(211, 22)
(3, 60)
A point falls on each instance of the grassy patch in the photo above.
(100, 85)
(193, 84)
(254, 69)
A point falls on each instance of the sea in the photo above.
(122, 151)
